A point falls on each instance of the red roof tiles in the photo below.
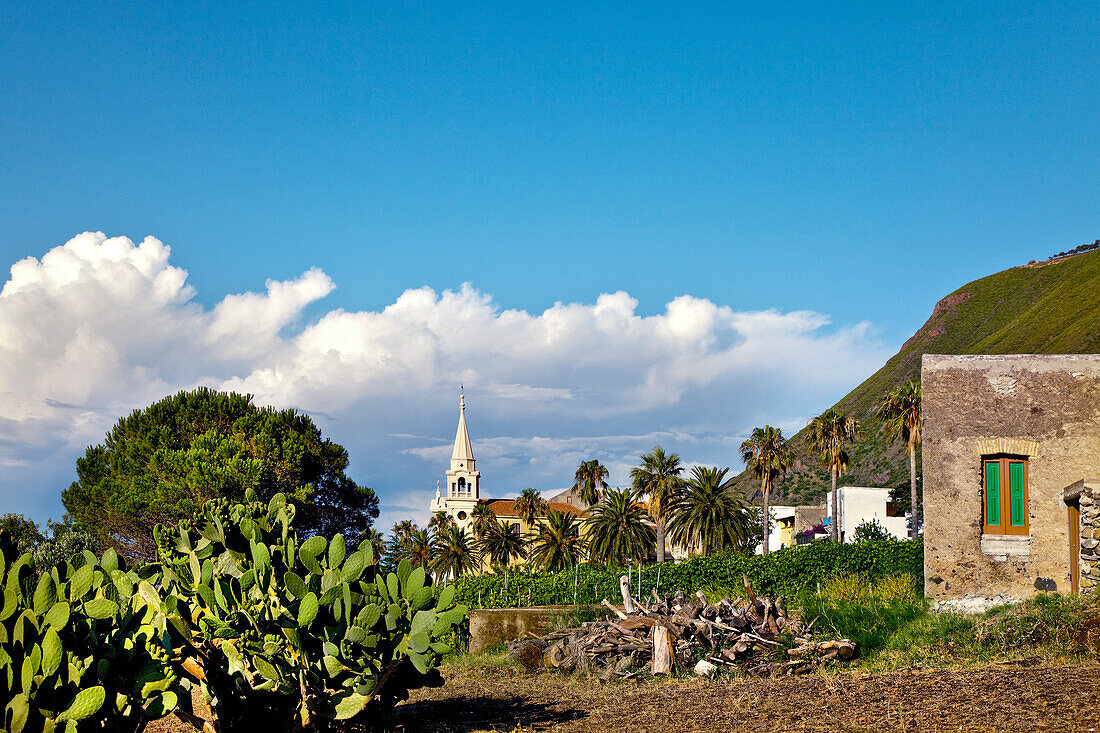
(506, 507)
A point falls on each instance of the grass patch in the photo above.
(869, 612)
(890, 622)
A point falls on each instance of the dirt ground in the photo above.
(1004, 697)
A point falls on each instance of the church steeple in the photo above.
(463, 479)
(463, 451)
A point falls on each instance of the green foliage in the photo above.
(454, 554)
(617, 530)
(502, 543)
(870, 530)
(889, 621)
(79, 647)
(162, 463)
(1048, 619)
(794, 571)
(590, 480)
(309, 629)
(559, 545)
(65, 541)
(1047, 309)
(24, 534)
(530, 506)
(706, 515)
(481, 519)
(767, 456)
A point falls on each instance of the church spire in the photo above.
(462, 478)
(463, 451)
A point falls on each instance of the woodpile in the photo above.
(753, 634)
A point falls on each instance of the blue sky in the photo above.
(856, 160)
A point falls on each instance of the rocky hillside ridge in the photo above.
(1047, 307)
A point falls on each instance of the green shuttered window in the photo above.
(993, 493)
(1005, 491)
(1016, 492)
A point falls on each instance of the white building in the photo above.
(859, 504)
(787, 522)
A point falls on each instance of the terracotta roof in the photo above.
(506, 507)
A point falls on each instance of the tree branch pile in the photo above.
(761, 636)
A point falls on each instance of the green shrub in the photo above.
(792, 571)
(276, 629)
(870, 530)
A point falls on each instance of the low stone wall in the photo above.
(494, 627)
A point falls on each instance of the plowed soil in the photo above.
(1004, 697)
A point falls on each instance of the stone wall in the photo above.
(1044, 407)
(1085, 495)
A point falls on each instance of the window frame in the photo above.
(1004, 463)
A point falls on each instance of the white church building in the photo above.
(463, 486)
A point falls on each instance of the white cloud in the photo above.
(100, 326)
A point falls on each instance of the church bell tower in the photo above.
(463, 480)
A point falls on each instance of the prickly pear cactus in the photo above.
(265, 621)
(78, 648)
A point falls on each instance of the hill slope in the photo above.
(1048, 307)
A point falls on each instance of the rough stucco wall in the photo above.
(1051, 401)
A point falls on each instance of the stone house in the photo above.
(1010, 448)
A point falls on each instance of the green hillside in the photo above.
(1050, 307)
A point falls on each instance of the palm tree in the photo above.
(589, 479)
(659, 478)
(617, 531)
(399, 541)
(418, 549)
(440, 521)
(502, 542)
(530, 506)
(453, 554)
(766, 454)
(559, 545)
(377, 543)
(708, 514)
(481, 518)
(829, 431)
(402, 530)
(900, 413)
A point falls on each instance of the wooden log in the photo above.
(607, 604)
(624, 588)
(749, 591)
(662, 650)
(527, 652)
(636, 623)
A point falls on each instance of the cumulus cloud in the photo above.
(100, 326)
